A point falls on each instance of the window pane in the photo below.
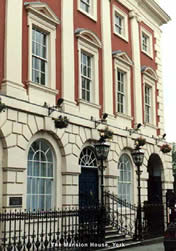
(83, 83)
(36, 169)
(29, 170)
(41, 186)
(48, 186)
(39, 51)
(41, 202)
(48, 202)
(50, 170)
(86, 75)
(85, 5)
(42, 156)
(43, 170)
(88, 96)
(49, 156)
(43, 79)
(34, 202)
(29, 198)
(83, 94)
(29, 185)
(34, 187)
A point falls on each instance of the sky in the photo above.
(168, 51)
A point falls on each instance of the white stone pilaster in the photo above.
(107, 56)
(68, 75)
(136, 67)
(12, 83)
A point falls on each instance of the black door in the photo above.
(88, 187)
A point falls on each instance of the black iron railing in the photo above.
(120, 214)
(123, 216)
(53, 230)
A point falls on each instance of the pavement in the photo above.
(150, 246)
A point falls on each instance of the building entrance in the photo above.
(88, 179)
(154, 208)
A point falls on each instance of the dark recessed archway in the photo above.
(155, 210)
(155, 167)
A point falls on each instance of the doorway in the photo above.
(88, 179)
(154, 208)
(154, 181)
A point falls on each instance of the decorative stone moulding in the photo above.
(61, 122)
(165, 148)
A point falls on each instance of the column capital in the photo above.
(133, 14)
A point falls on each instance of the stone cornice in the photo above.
(156, 9)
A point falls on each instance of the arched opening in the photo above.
(40, 176)
(88, 179)
(125, 180)
(154, 209)
(154, 181)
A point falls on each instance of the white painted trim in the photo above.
(107, 62)
(50, 30)
(82, 46)
(93, 9)
(89, 37)
(67, 55)
(123, 57)
(151, 83)
(124, 23)
(43, 11)
(148, 71)
(149, 52)
(125, 68)
(133, 178)
(58, 164)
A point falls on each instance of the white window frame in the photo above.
(86, 77)
(42, 93)
(42, 59)
(120, 92)
(150, 83)
(93, 52)
(127, 70)
(131, 182)
(32, 177)
(93, 9)
(124, 19)
(148, 103)
(58, 179)
(149, 51)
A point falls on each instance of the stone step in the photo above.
(115, 241)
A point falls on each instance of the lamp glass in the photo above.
(102, 150)
(138, 156)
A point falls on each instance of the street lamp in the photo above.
(138, 157)
(102, 150)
